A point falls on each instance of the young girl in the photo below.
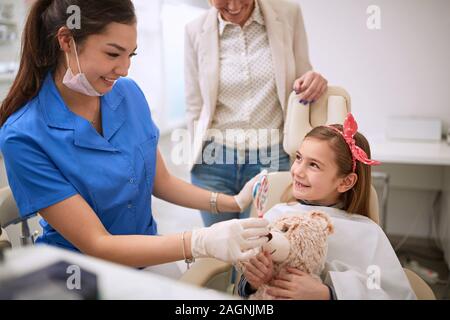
(332, 173)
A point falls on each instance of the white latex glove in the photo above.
(245, 197)
(230, 240)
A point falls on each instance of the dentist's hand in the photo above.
(230, 240)
(245, 197)
(311, 86)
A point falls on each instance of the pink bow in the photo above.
(350, 129)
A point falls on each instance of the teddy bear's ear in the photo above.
(328, 225)
(283, 223)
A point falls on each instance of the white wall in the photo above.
(402, 69)
(158, 67)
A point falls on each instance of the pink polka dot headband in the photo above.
(349, 130)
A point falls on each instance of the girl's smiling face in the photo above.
(315, 174)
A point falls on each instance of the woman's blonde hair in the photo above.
(355, 200)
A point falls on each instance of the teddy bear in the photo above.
(297, 241)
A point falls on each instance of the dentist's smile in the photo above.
(108, 81)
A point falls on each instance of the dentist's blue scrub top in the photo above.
(52, 154)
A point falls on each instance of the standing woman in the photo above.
(242, 60)
(80, 146)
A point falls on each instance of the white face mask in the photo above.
(78, 82)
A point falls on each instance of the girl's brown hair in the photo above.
(40, 49)
(355, 200)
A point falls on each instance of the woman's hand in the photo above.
(311, 86)
(245, 197)
(231, 240)
(259, 270)
(297, 285)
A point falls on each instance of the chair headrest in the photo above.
(332, 107)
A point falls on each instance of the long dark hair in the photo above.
(40, 49)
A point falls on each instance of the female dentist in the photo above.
(80, 146)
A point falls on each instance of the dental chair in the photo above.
(331, 108)
(4, 240)
(9, 215)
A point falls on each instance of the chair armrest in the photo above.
(4, 240)
(419, 286)
(204, 270)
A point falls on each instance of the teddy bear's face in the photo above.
(300, 241)
(279, 238)
(278, 245)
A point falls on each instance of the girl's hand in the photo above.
(311, 86)
(297, 285)
(259, 270)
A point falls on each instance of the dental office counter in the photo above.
(417, 165)
(406, 152)
(114, 281)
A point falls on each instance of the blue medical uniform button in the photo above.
(130, 206)
(131, 180)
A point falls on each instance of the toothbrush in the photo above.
(260, 193)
